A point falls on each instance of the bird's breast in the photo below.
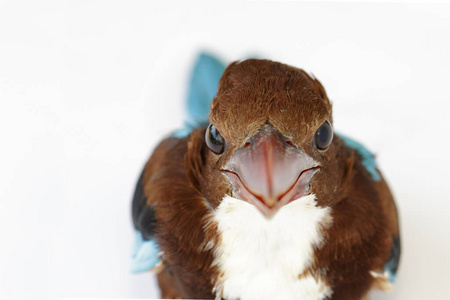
(259, 258)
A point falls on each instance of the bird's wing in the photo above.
(391, 266)
(203, 84)
(145, 254)
(388, 205)
(389, 270)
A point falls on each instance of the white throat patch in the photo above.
(264, 259)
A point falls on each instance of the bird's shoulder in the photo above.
(165, 183)
(365, 220)
(165, 169)
(166, 157)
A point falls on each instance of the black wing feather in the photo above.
(143, 215)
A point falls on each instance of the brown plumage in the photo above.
(184, 183)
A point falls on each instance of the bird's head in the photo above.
(270, 138)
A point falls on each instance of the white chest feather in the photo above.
(264, 259)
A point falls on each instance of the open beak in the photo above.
(269, 172)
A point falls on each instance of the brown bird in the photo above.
(266, 202)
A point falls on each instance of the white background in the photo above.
(87, 89)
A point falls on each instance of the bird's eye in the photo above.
(214, 140)
(323, 136)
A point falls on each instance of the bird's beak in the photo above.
(269, 171)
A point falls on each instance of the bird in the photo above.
(259, 198)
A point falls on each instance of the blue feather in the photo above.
(145, 254)
(368, 158)
(392, 277)
(203, 85)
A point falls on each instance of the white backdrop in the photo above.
(87, 88)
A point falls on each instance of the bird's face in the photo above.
(270, 134)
